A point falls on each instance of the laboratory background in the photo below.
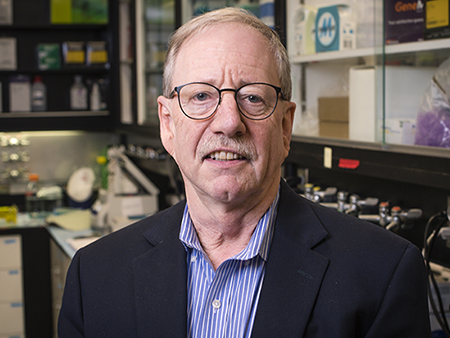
(80, 154)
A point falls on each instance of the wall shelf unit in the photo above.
(32, 27)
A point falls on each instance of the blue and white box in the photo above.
(335, 29)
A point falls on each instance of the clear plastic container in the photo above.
(33, 204)
(78, 95)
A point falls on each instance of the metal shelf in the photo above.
(337, 55)
(53, 114)
(418, 46)
(361, 52)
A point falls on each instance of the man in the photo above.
(243, 256)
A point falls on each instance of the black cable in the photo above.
(429, 241)
(433, 280)
(441, 318)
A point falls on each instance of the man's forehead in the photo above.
(211, 33)
(230, 49)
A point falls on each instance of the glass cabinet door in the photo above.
(155, 21)
(367, 87)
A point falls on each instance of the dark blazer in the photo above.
(328, 275)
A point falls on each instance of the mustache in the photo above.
(238, 145)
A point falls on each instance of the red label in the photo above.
(348, 164)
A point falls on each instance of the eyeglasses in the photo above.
(199, 100)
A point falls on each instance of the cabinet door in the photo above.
(155, 21)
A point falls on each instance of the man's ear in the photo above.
(287, 124)
(166, 124)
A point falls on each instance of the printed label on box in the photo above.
(404, 21)
(437, 14)
(334, 29)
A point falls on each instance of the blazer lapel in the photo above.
(294, 272)
(160, 282)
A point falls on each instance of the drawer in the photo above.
(11, 319)
(10, 251)
(11, 285)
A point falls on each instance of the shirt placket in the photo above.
(217, 302)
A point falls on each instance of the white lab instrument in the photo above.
(123, 203)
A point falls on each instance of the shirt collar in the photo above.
(259, 242)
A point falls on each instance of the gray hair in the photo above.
(227, 15)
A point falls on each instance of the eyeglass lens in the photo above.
(200, 100)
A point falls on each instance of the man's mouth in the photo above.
(225, 156)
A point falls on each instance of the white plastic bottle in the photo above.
(95, 97)
(38, 95)
(78, 95)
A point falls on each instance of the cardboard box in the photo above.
(333, 116)
(97, 53)
(334, 29)
(437, 19)
(74, 53)
(49, 56)
(333, 109)
(404, 21)
(333, 129)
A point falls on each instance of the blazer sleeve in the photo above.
(70, 322)
(401, 315)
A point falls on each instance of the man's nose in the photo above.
(228, 119)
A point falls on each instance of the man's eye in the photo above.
(254, 99)
(201, 96)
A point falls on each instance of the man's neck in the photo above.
(224, 230)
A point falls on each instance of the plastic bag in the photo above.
(433, 118)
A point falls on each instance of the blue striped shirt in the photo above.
(223, 303)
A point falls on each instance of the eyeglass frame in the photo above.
(177, 90)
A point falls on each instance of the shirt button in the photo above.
(216, 304)
(193, 259)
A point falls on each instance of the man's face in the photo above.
(226, 158)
